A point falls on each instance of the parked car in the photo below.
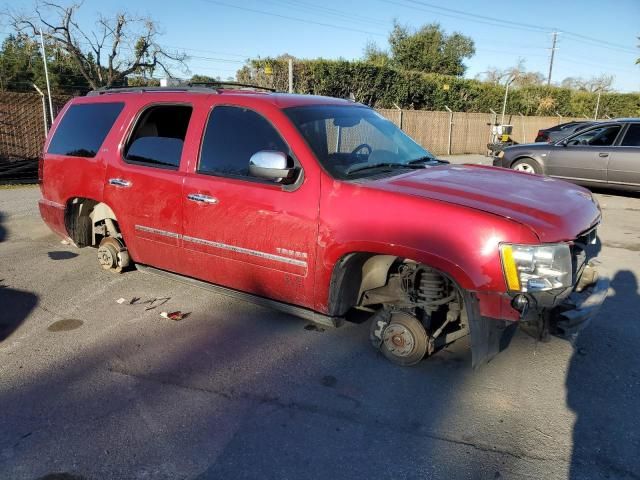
(323, 208)
(606, 154)
(558, 132)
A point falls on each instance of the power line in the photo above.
(502, 23)
(553, 53)
(462, 16)
(296, 19)
(332, 12)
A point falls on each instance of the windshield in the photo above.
(353, 141)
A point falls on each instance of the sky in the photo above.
(596, 36)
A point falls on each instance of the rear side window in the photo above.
(83, 129)
(632, 137)
(158, 136)
(232, 136)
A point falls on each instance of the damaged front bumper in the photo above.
(561, 314)
(579, 308)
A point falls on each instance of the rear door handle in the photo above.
(120, 182)
(603, 154)
(202, 198)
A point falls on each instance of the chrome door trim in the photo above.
(246, 251)
(224, 246)
(157, 231)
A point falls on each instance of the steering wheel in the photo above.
(362, 146)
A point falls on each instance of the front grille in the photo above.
(583, 248)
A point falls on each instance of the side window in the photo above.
(158, 136)
(83, 129)
(600, 137)
(232, 136)
(632, 137)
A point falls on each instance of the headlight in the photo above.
(534, 268)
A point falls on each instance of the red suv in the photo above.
(323, 208)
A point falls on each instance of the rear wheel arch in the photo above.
(82, 215)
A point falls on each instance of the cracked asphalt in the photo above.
(94, 389)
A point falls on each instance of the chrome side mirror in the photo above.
(270, 164)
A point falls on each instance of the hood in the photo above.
(555, 210)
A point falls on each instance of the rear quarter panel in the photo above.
(65, 177)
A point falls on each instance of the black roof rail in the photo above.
(195, 89)
(219, 84)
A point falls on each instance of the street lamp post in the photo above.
(506, 94)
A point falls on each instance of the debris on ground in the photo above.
(149, 304)
(176, 316)
(155, 302)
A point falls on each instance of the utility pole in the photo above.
(46, 75)
(553, 51)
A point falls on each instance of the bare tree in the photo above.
(116, 48)
(518, 74)
(600, 83)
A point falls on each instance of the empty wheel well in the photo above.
(86, 220)
(356, 274)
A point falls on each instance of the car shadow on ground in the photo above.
(604, 397)
(610, 192)
(15, 305)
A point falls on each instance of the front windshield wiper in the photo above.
(423, 160)
(360, 168)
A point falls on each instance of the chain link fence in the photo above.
(22, 134)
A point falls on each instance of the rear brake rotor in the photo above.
(112, 254)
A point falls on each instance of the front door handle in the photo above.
(120, 182)
(603, 154)
(202, 198)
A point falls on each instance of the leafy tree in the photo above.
(429, 49)
(21, 66)
(375, 55)
(117, 48)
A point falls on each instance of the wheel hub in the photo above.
(524, 168)
(112, 255)
(107, 256)
(398, 340)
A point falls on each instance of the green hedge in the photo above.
(383, 87)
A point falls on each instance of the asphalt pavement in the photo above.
(95, 389)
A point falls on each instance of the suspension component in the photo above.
(430, 288)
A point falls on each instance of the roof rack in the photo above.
(195, 87)
(104, 90)
(218, 84)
